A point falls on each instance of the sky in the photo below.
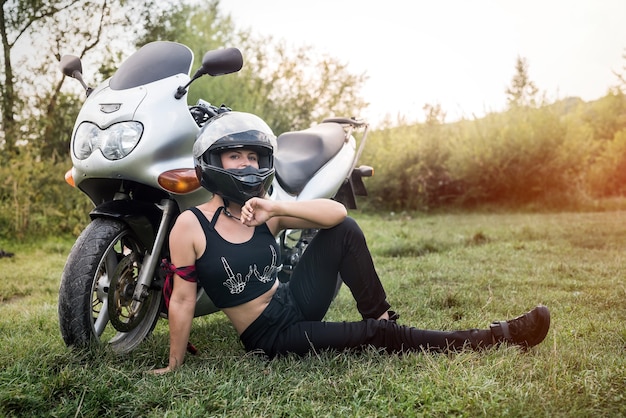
(459, 54)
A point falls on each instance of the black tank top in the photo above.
(233, 274)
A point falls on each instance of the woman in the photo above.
(229, 242)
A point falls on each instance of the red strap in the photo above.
(187, 273)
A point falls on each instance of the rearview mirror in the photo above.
(71, 65)
(222, 61)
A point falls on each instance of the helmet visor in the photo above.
(235, 130)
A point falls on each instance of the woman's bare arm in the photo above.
(183, 299)
(317, 213)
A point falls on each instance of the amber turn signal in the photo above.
(180, 181)
(69, 178)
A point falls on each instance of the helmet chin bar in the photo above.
(237, 185)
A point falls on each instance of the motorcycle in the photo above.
(131, 151)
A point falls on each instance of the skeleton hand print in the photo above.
(268, 271)
(236, 283)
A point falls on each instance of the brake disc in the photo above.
(125, 313)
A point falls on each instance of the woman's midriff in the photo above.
(242, 316)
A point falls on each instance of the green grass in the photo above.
(440, 271)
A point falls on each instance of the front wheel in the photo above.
(95, 296)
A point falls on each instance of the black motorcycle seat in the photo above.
(301, 154)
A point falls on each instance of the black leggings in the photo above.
(292, 322)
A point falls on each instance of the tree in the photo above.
(621, 77)
(18, 21)
(295, 89)
(435, 115)
(16, 18)
(289, 88)
(34, 34)
(36, 117)
(522, 91)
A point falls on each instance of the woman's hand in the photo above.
(159, 372)
(257, 211)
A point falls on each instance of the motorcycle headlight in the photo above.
(115, 142)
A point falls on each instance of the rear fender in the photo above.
(353, 186)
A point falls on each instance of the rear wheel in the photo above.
(98, 281)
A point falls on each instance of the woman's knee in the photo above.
(345, 228)
(349, 226)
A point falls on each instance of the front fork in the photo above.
(151, 259)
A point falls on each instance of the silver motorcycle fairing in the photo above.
(94, 108)
(169, 129)
(168, 136)
(169, 132)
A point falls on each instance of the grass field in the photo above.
(440, 271)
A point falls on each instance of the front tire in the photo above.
(84, 299)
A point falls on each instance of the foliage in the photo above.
(36, 201)
(566, 155)
(290, 88)
(439, 271)
(37, 118)
(410, 164)
(293, 89)
(511, 157)
(200, 25)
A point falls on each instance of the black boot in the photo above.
(526, 330)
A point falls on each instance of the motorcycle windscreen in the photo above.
(154, 61)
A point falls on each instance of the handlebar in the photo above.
(203, 111)
(347, 121)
